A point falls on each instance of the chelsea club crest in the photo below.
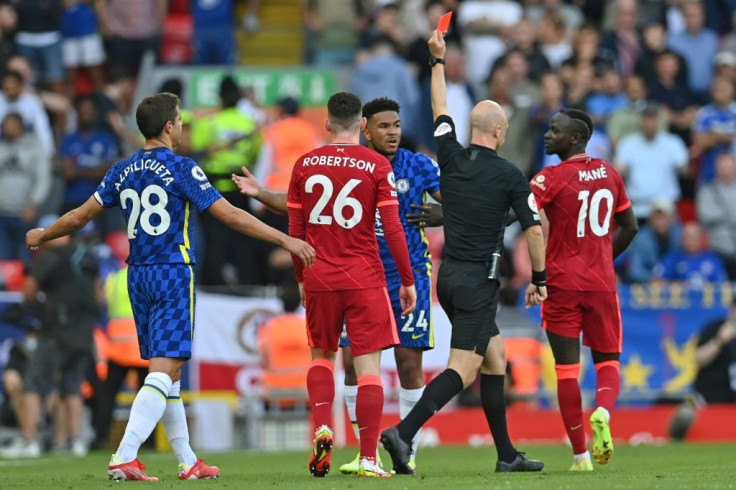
(402, 185)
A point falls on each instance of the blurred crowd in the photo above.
(657, 77)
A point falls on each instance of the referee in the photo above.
(478, 189)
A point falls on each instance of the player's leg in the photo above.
(602, 331)
(324, 324)
(566, 351)
(371, 328)
(415, 336)
(73, 372)
(145, 285)
(562, 320)
(350, 392)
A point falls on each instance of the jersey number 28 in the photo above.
(149, 209)
(342, 201)
(590, 208)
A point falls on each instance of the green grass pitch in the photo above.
(674, 466)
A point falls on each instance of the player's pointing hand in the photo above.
(301, 249)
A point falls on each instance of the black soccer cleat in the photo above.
(399, 451)
(520, 463)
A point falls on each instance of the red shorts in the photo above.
(596, 313)
(366, 313)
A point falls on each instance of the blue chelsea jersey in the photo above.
(155, 189)
(416, 175)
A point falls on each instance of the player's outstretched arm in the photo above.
(396, 241)
(72, 221)
(627, 230)
(247, 224)
(248, 185)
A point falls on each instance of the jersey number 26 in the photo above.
(342, 201)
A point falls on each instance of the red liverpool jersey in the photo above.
(579, 197)
(333, 196)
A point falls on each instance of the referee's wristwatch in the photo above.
(433, 61)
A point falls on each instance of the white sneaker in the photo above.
(79, 448)
(369, 468)
(21, 449)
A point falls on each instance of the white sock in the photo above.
(175, 423)
(407, 400)
(351, 397)
(580, 457)
(606, 413)
(148, 407)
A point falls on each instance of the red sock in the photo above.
(608, 384)
(368, 411)
(571, 404)
(321, 389)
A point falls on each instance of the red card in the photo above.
(444, 24)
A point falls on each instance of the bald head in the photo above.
(488, 124)
(486, 115)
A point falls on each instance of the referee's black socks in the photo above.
(436, 394)
(494, 406)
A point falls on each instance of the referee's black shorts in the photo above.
(470, 300)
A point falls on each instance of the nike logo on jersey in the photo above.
(604, 388)
(576, 427)
(415, 336)
(321, 403)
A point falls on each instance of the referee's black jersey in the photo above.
(478, 188)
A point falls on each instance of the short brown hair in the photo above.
(344, 109)
(154, 112)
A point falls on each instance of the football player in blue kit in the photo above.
(155, 189)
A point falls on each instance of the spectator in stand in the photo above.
(331, 31)
(716, 208)
(385, 74)
(460, 94)
(655, 42)
(627, 119)
(729, 41)
(716, 360)
(486, 25)
(86, 154)
(418, 52)
(725, 63)
(8, 22)
(580, 86)
(609, 98)
(714, 129)
(82, 47)
(15, 99)
(554, 42)
(249, 105)
(214, 32)
(678, 103)
(523, 91)
(571, 15)
(650, 161)
(660, 235)
(38, 38)
(623, 44)
(131, 28)
(516, 147)
(689, 262)
(386, 25)
(586, 50)
(25, 181)
(524, 40)
(698, 45)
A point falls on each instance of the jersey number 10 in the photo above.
(341, 202)
(598, 229)
(149, 209)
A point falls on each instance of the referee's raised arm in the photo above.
(438, 87)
